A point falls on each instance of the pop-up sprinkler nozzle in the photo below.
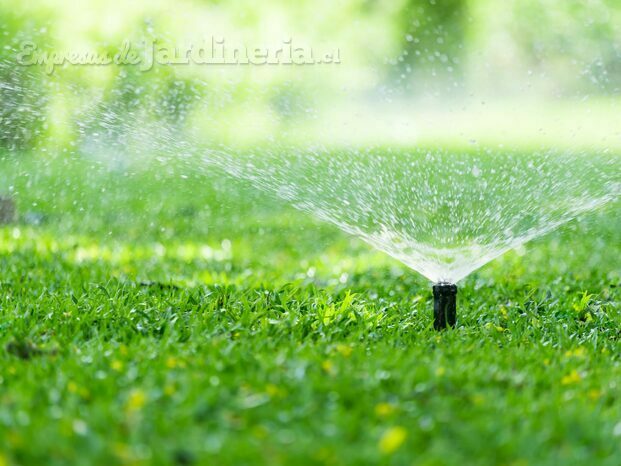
(444, 305)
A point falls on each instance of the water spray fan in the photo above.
(443, 224)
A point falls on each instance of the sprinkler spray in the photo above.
(444, 305)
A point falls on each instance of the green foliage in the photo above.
(155, 315)
(433, 33)
(551, 39)
(191, 320)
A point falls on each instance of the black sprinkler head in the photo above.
(444, 305)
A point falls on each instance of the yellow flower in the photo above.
(171, 362)
(345, 350)
(84, 393)
(116, 365)
(3, 460)
(72, 387)
(275, 391)
(136, 400)
(384, 409)
(594, 394)
(123, 452)
(392, 439)
(440, 371)
(328, 367)
(578, 352)
(169, 390)
(572, 378)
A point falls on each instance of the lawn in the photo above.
(155, 316)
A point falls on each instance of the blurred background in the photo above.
(410, 71)
(98, 150)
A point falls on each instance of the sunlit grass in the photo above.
(205, 323)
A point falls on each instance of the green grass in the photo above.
(152, 319)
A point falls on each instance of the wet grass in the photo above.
(150, 318)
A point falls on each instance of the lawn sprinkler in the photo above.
(444, 305)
